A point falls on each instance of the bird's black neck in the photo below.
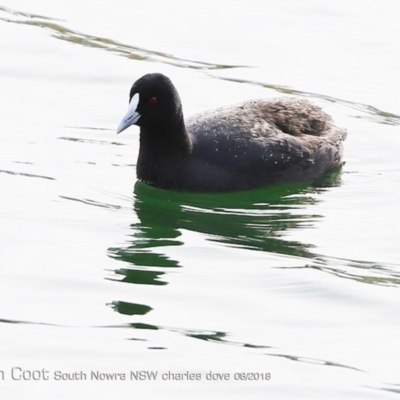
(162, 150)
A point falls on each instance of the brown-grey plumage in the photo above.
(248, 145)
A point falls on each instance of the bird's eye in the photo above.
(153, 100)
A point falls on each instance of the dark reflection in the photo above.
(255, 219)
(130, 308)
(141, 277)
(146, 264)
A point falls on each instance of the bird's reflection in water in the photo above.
(257, 220)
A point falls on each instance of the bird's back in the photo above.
(268, 141)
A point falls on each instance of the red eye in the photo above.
(153, 100)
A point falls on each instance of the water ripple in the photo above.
(92, 202)
(375, 114)
(26, 174)
(91, 141)
(315, 361)
(206, 335)
(361, 271)
(134, 52)
(14, 321)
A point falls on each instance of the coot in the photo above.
(244, 146)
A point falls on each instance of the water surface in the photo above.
(101, 273)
